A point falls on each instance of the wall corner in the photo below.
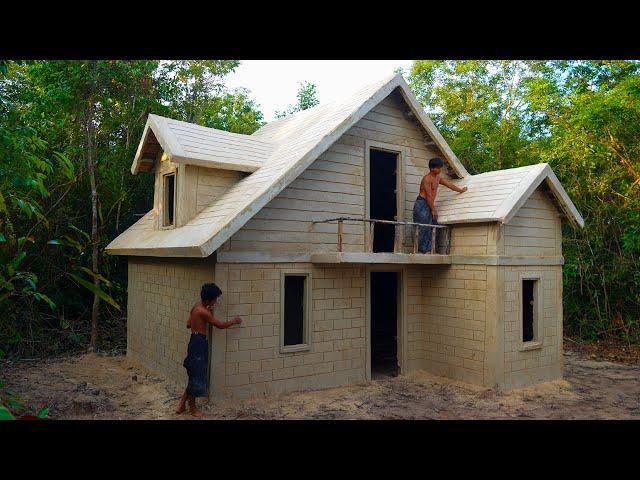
(493, 375)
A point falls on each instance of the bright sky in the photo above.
(274, 83)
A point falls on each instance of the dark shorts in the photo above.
(422, 214)
(197, 365)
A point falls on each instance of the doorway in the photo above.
(384, 323)
(383, 200)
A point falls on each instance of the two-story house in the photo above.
(283, 221)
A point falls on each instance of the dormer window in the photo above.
(169, 199)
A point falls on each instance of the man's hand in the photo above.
(463, 189)
(434, 213)
(237, 320)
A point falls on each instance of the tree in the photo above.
(232, 111)
(78, 100)
(594, 126)
(68, 133)
(583, 118)
(307, 98)
(190, 85)
(479, 106)
(24, 167)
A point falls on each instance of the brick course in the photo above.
(448, 314)
(161, 293)
(336, 353)
(542, 364)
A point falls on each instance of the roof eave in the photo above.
(568, 206)
(165, 137)
(222, 165)
(178, 252)
(522, 193)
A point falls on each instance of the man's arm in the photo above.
(455, 188)
(210, 318)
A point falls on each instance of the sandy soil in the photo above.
(103, 387)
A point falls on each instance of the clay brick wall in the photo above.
(472, 239)
(161, 293)
(454, 328)
(524, 367)
(446, 321)
(253, 363)
(416, 319)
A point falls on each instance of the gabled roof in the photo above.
(283, 150)
(498, 195)
(295, 143)
(195, 145)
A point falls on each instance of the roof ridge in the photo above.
(335, 101)
(296, 146)
(518, 196)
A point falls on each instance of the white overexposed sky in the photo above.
(273, 84)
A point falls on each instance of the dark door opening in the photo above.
(384, 324)
(383, 168)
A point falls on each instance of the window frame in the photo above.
(163, 224)
(307, 311)
(538, 312)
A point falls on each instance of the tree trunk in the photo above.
(91, 167)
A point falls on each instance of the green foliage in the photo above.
(95, 289)
(233, 112)
(5, 414)
(307, 98)
(583, 118)
(478, 107)
(24, 167)
(12, 405)
(47, 280)
(190, 85)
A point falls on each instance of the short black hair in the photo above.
(210, 291)
(435, 162)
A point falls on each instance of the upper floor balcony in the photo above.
(388, 241)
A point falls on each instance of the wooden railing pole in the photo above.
(371, 231)
(399, 237)
(395, 239)
(447, 233)
(433, 240)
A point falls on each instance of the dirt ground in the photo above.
(107, 387)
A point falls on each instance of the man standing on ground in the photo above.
(424, 210)
(197, 361)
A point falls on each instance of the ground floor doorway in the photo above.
(384, 308)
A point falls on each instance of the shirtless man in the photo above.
(197, 360)
(424, 210)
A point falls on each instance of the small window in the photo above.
(169, 188)
(295, 312)
(529, 310)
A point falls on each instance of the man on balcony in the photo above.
(424, 210)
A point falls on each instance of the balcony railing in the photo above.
(444, 242)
